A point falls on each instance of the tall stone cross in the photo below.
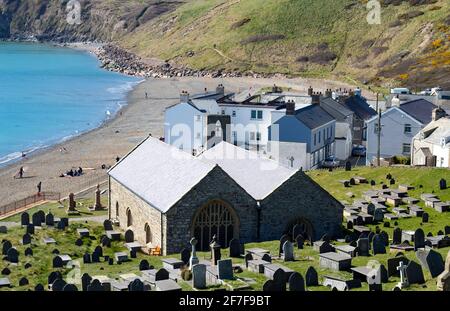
(403, 279)
(193, 260)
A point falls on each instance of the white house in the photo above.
(399, 124)
(431, 146)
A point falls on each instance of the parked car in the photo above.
(359, 151)
(331, 162)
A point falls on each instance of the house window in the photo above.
(223, 111)
(253, 114)
(233, 113)
(407, 128)
(257, 114)
(320, 135)
(407, 148)
(260, 114)
(315, 139)
(328, 132)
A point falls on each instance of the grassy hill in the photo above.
(318, 38)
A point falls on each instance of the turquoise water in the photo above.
(49, 94)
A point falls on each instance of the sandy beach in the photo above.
(118, 136)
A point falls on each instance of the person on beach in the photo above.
(39, 187)
(146, 95)
(21, 171)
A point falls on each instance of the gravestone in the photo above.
(23, 281)
(6, 245)
(392, 181)
(447, 230)
(30, 229)
(442, 184)
(28, 265)
(352, 182)
(440, 232)
(57, 262)
(414, 273)
(106, 242)
(107, 225)
(235, 248)
(378, 215)
(79, 242)
(425, 217)
(12, 255)
(85, 281)
(419, 239)
(185, 254)
(225, 269)
(247, 258)
(397, 236)
(3, 229)
(311, 277)
(144, 265)
(193, 260)
(373, 182)
(269, 286)
(70, 288)
(363, 246)
(288, 251)
(95, 286)
(110, 261)
(349, 225)
(28, 251)
(72, 203)
(370, 237)
(348, 166)
(384, 237)
(378, 246)
(50, 220)
(215, 251)
(199, 276)
(36, 219)
(129, 236)
(283, 239)
(25, 219)
(296, 282)
(133, 253)
(58, 285)
(300, 241)
(95, 257)
(6, 271)
(297, 230)
(87, 258)
(55, 251)
(136, 286)
(65, 220)
(61, 225)
(431, 260)
(52, 277)
(99, 251)
(39, 288)
(279, 280)
(26, 239)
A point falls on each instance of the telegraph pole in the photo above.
(379, 134)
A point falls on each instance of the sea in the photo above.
(49, 94)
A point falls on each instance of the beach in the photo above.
(115, 138)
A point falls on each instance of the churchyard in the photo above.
(368, 251)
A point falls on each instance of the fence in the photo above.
(32, 199)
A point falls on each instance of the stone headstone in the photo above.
(269, 286)
(349, 225)
(30, 229)
(58, 285)
(311, 277)
(373, 182)
(235, 248)
(144, 265)
(70, 288)
(419, 239)
(384, 237)
(247, 258)
(442, 184)
(378, 215)
(363, 246)
(79, 242)
(61, 225)
(85, 281)
(300, 241)
(12, 255)
(199, 276)
(6, 245)
(87, 258)
(397, 236)
(185, 254)
(129, 236)
(6, 271)
(39, 288)
(431, 261)
(57, 262)
(193, 260)
(414, 273)
(283, 239)
(72, 203)
(25, 219)
(225, 269)
(447, 230)
(23, 281)
(95, 257)
(133, 253)
(215, 251)
(288, 251)
(99, 251)
(425, 217)
(378, 246)
(52, 277)
(36, 219)
(3, 229)
(26, 239)
(296, 282)
(95, 286)
(107, 225)
(136, 286)
(50, 220)
(28, 265)
(348, 166)
(106, 242)
(297, 230)
(28, 251)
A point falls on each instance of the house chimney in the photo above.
(184, 97)
(315, 99)
(395, 102)
(437, 114)
(220, 89)
(290, 108)
(328, 93)
(310, 91)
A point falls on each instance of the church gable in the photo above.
(217, 200)
(300, 200)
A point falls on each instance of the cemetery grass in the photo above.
(60, 209)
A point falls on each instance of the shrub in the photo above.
(261, 38)
(401, 160)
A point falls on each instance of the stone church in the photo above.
(167, 196)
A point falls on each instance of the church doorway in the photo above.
(215, 218)
(300, 226)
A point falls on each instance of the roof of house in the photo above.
(419, 109)
(259, 176)
(159, 173)
(313, 116)
(436, 131)
(162, 174)
(359, 106)
(336, 110)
